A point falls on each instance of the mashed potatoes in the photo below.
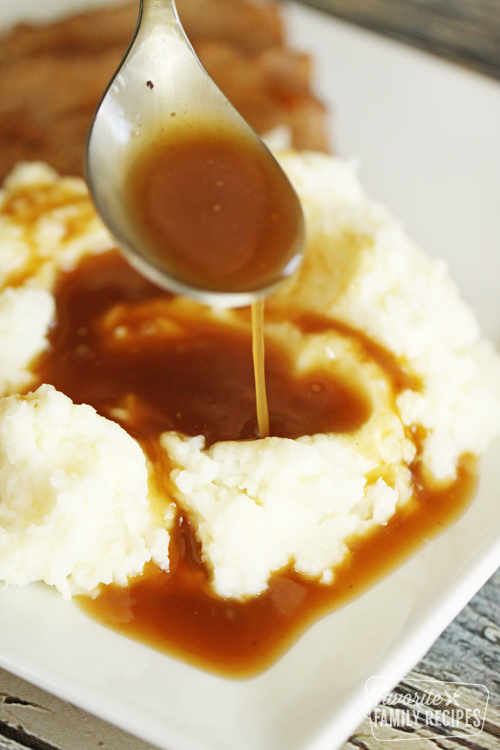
(74, 486)
(403, 300)
(25, 316)
(76, 504)
(259, 504)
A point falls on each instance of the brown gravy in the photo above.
(203, 382)
(177, 613)
(215, 211)
(199, 383)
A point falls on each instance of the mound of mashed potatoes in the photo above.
(80, 504)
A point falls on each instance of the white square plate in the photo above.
(427, 134)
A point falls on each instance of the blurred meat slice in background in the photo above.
(52, 76)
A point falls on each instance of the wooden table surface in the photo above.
(467, 32)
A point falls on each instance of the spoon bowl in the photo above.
(161, 97)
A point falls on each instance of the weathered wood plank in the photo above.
(465, 31)
(32, 718)
(369, 735)
(467, 651)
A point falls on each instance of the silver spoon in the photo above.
(160, 94)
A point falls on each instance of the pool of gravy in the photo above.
(214, 210)
(177, 612)
(199, 383)
(203, 383)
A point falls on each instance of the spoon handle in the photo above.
(155, 12)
